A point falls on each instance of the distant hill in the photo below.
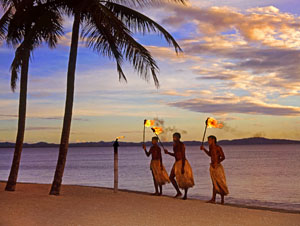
(244, 141)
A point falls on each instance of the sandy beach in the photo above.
(30, 204)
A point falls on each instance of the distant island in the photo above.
(244, 141)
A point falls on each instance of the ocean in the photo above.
(257, 175)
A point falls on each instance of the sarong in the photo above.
(185, 180)
(218, 179)
(160, 174)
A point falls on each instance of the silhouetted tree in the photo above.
(107, 28)
(25, 25)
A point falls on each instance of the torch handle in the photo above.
(160, 141)
(144, 131)
(144, 135)
(204, 135)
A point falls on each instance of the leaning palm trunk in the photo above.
(12, 180)
(64, 142)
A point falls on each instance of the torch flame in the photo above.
(213, 123)
(157, 130)
(120, 137)
(149, 123)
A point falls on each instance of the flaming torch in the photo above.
(211, 123)
(157, 131)
(147, 123)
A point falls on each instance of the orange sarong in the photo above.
(159, 173)
(218, 178)
(185, 180)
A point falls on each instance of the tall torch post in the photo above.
(144, 131)
(211, 123)
(116, 177)
(204, 131)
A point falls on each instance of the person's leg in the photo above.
(222, 199)
(173, 181)
(213, 199)
(160, 187)
(155, 185)
(185, 194)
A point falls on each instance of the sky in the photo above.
(240, 65)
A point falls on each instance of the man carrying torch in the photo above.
(216, 169)
(181, 169)
(159, 173)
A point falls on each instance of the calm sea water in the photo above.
(257, 175)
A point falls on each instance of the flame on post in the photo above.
(213, 123)
(120, 137)
(149, 123)
(157, 130)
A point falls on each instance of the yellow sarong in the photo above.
(185, 180)
(218, 179)
(160, 174)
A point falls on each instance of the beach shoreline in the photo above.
(30, 204)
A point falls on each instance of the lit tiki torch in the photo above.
(116, 146)
(211, 123)
(147, 123)
(157, 131)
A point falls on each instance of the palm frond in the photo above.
(30, 26)
(143, 3)
(47, 27)
(105, 44)
(15, 67)
(7, 4)
(140, 23)
(4, 21)
(111, 38)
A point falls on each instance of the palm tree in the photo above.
(107, 28)
(26, 24)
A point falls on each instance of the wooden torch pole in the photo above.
(204, 131)
(144, 131)
(116, 145)
(158, 138)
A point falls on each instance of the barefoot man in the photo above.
(216, 169)
(181, 168)
(159, 173)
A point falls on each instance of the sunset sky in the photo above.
(241, 65)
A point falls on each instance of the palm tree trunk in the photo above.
(12, 179)
(64, 142)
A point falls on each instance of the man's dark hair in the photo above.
(155, 138)
(213, 137)
(177, 135)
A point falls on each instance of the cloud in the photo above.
(244, 105)
(265, 25)
(42, 128)
(164, 53)
(9, 116)
(254, 51)
(65, 40)
(174, 93)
